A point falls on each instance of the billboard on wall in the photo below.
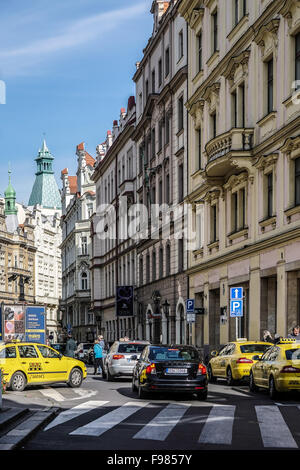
(23, 323)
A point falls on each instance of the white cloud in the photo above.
(20, 60)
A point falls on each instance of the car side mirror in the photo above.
(214, 353)
(60, 356)
(256, 358)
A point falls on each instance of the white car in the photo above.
(122, 357)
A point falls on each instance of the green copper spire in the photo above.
(10, 197)
(45, 191)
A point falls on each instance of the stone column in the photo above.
(254, 299)
(281, 326)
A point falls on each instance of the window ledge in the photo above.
(238, 27)
(290, 100)
(292, 211)
(239, 233)
(267, 118)
(198, 76)
(212, 58)
(213, 245)
(269, 221)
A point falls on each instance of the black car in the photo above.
(170, 368)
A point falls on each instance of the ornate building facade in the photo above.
(78, 199)
(244, 161)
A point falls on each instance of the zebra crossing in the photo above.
(214, 424)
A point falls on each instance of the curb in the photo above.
(23, 430)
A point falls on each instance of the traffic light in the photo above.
(124, 301)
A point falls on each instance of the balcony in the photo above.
(226, 147)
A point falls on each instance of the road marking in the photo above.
(160, 427)
(218, 426)
(274, 430)
(110, 420)
(74, 412)
(49, 392)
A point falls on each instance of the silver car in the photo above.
(122, 357)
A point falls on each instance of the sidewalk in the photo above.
(18, 422)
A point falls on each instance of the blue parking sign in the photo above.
(236, 308)
(190, 305)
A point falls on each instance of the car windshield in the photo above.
(254, 348)
(292, 354)
(176, 354)
(87, 346)
(131, 348)
(8, 353)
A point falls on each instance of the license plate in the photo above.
(176, 371)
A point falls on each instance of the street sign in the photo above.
(236, 293)
(190, 318)
(236, 308)
(190, 305)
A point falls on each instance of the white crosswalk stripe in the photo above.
(273, 428)
(75, 412)
(160, 427)
(218, 426)
(215, 424)
(110, 420)
(54, 394)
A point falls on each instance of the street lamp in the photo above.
(166, 310)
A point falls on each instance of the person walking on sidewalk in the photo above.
(70, 347)
(98, 358)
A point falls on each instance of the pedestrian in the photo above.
(267, 337)
(295, 333)
(70, 347)
(126, 338)
(98, 358)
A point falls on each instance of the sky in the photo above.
(66, 69)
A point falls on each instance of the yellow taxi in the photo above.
(234, 361)
(25, 364)
(278, 370)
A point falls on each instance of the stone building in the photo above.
(44, 212)
(161, 141)
(114, 254)
(244, 164)
(78, 199)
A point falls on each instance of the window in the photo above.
(297, 59)
(8, 353)
(168, 260)
(147, 88)
(215, 31)
(270, 84)
(235, 212)
(167, 189)
(153, 143)
(154, 266)
(160, 135)
(180, 255)
(297, 181)
(180, 114)
(153, 81)
(48, 353)
(270, 194)
(141, 157)
(213, 223)
(27, 352)
(167, 129)
(180, 45)
(160, 190)
(147, 268)
(161, 262)
(84, 281)
(159, 72)
(89, 210)
(167, 61)
(199, 151)
(213, 119)
(180, 183)
(199, 41)
(141, 269)
(84, 245)
(234, 108)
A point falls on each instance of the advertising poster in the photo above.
(35, 330)
(14, 322)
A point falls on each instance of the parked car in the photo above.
(170, 368)
(35, 364)
(122, 357)
(83, 352)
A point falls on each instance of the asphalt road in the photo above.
(108, 416)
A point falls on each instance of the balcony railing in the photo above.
(236, 140)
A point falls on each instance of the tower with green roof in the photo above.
(45, 191)
(11, 211)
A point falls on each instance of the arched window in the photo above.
(84, 281)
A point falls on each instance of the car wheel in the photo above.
(272, 389)
(202, 395)
(229, 378)
(18, 382)
(141, 392)
(109, 377)
(133, 386)
(252, 386)
(75, 379)
(211, 376)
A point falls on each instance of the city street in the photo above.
(105, 415)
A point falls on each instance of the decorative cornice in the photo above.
(266, 160)
(234, 63)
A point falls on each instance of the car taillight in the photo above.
(116, 357)
(201, 369)
(151, 369)
(81, 350)
(244, 360)
(289, 369)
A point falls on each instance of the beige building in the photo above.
(244, 164)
